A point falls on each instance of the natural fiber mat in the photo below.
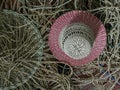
(26, 62)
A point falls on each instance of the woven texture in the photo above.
(21, 49)
(76, 40)
(93, 36)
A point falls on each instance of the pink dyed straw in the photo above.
(117, 87)
(77, 17)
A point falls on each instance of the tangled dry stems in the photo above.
(43, 13)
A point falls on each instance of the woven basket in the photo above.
(21, 48)
(77, 38)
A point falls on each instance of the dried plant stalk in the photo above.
(21, 49)
(43, 13)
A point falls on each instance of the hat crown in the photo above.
(76, 40)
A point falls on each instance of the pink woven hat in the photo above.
(77, 38)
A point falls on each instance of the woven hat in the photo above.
(21, 48)
(77, 38)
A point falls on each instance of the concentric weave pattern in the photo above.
(59, 43)
(76, 40)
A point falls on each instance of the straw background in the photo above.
(103, 73)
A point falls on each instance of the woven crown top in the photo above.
(76, 40)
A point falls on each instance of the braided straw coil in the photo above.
(77, 38)
(21, 48)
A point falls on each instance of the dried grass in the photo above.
(54, 75)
